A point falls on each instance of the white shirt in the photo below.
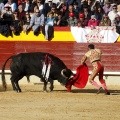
(13, 6)
(26, 7)
(111, 16)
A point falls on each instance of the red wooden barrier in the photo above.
(69, 52)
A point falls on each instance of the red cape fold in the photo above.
(81, 76)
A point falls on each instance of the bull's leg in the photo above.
(13, 85)
(51, 85)
(45, 87)
(17, 86)
(14, 80)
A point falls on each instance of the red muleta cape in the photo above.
(81, 76)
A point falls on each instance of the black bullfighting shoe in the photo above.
(99, 90)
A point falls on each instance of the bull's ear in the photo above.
(63, 72)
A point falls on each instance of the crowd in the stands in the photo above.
(43, 15)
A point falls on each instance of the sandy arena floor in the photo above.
(81, 104)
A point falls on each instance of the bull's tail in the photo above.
(3, 74)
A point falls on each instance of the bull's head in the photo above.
(66, 75)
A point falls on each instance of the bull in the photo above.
(44, 65)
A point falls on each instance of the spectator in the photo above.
(76, 9)
(60, 3)
(105, 21)
(48, 6)
(26, 5)
(36, 22)
(1, 6)
(11, 4)
(5, 22)
(86, 12)
(16, 25)
(72, 20)
(99, 12)
(62, 8)
(49, 23)
(117, 23)
(59, 21)
(69, 10)
(40, 5)
(21, 13)
(32, 6)
(34, 10)
(82, 20)
(54, 11)
(26, 23)
(79, 24)
(107, 7)
(118, 9)
(19, 2)
(69, 2)
(6, 15)
(112, 14)
(93, 21)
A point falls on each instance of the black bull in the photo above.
(26, 64)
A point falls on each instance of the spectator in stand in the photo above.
(21, 13)
(16, 25)
(99, 12)
(69, 10)
(61, 7)
(107, 7)
(59, 21)
(105, 21)
(26, 5)
(92, 4)
(69, 2)
(117, 23)
(11, 4)
(82, 19)
(112, 14)
(6, 15)
(37, 21)
(34, 10)
(48, 6)
(79, 24)
(85, 3)
(5, 22)
(26, 22)
(59, 3)
(19, 2)
(72, 20)
(54, 11)
(48, 30)
(86, 12)
(32, 6)
(40, 5)
(1, 6)
(118, 9)
(93, 21)
(76, 9)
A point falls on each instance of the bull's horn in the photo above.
(63, 73)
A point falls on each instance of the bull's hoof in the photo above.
(51, 89)
(18, 91)
(45, 91)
